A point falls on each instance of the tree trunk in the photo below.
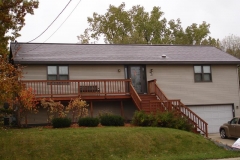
(18, 118)
(26, 120)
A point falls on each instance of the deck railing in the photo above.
(164, 104)
(137, 100)
(103, 87)
(154, 89)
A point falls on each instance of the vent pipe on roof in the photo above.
(164, 56)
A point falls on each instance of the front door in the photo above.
(137, 74)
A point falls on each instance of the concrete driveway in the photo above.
(216, 137)
(229, 142)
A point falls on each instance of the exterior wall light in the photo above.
(119, 70)
(151, 71)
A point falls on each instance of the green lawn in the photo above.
(107, 143)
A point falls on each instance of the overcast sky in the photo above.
(222, 15)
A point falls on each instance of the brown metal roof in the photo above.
(55, 53)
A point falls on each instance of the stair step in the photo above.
(143, 96)
(161, 107)
(148, 97)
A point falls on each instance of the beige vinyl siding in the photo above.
(177, 82)
(76, 72)
(35, 72)
(96, 72)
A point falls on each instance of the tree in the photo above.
(211, 41)
(78, 108)
(231, 45)
(12, 18)
(9, 81)
(54, 109)
(136, 26)
(27, 103)
(12, 13)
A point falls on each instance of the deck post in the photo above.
(78, 88)
(122, 114)
(91, 108)
(51, 90)
(155, 86)
(148, 87)
(105, 88)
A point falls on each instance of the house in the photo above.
(204, 78)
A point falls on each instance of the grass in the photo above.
(113, 143)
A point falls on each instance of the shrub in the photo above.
(140, 118)
(61, 122)
(78, 107)
(183, 124)
(54, 109)
(6, 111)
(88, 122)
(172, 119)
(166, 119)
(111, 120)
(169, 119)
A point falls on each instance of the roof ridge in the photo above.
(113, 44)
(125, 53)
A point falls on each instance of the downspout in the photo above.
(238, 89)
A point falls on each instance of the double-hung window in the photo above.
(202, 73)
(57, 73)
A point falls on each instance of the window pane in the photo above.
(197, 69)
(52, 77)
(234, 121)
(63, 70)
(52, 69)
(207, 77)
(63, 77)
(198, 77)
(206, 69)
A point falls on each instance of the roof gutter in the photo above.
(127, 62)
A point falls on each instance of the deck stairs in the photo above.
(145, 104)
(156, 101)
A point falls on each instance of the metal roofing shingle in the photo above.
(55, 53)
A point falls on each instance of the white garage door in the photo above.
(214, 115)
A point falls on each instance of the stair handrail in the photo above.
(201, 124)
(137, 100)
(153, 88)
(193, 117)
(185, 111)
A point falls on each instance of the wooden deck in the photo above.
(86, 89)
(114, 89)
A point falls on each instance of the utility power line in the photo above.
(63, 22)
(57, 28)
(52, 22)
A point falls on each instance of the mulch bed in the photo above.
(75, 125)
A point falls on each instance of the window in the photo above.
(234, 121)
(202, 73)
(57, 73)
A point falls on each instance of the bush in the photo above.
(61, 122)
(140, 118)
(183, 124)
(6, 111)
(166, 119)
(88, 122)
(169, 119)
(111, 120)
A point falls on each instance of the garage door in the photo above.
(214, 115)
